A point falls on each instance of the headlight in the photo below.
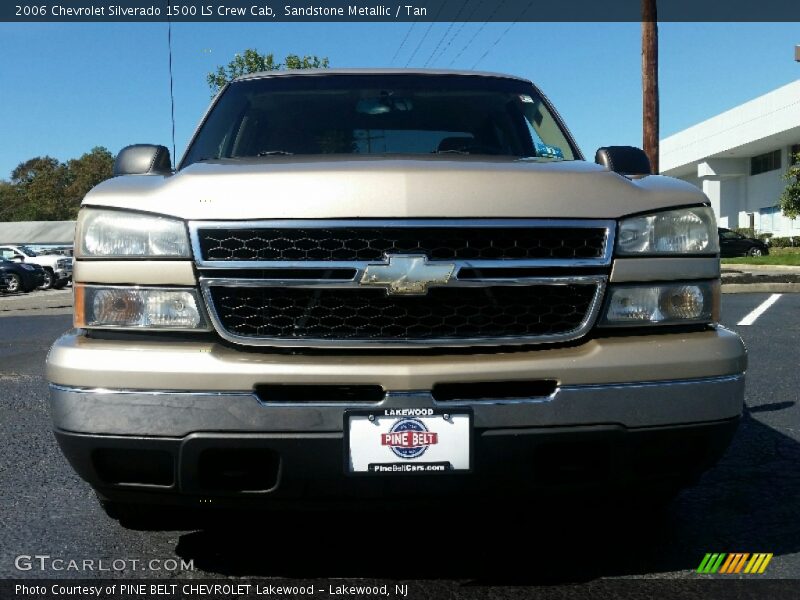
(27, 267)
(138, 308)
(661, 304)
(682, 231)
(117, 234)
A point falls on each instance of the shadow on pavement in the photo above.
(750, 502)
(772, 406)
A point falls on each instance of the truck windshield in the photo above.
(27, 251)
(380, 114)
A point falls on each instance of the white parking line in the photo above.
(759, 310)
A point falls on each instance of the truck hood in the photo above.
(384, 187)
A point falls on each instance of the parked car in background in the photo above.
(735, 244)
(61, 250)
(58, 269)
(21, 277)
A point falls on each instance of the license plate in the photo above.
(396, 441)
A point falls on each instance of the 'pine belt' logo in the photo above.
(736, 562)
(409, 438)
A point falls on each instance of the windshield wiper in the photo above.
(275, 153)
(452, 152)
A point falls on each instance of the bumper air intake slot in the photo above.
(319, 393)
(494, 390)
(125, 466)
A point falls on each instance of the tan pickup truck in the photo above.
(391, 284)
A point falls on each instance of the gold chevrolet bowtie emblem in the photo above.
(407, 274)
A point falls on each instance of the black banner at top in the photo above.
(392, 10)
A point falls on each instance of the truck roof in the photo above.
(318, 72)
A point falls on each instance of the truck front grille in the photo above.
(372, 243)
(369, 314)
(410, 283)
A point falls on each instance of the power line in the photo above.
(403, 43)
(481, 28)
(501, 36)
(413, 54)
(459, 30)
(457, 56)
(440, 42)
(447, 31)
(427, 31)
(490, 48)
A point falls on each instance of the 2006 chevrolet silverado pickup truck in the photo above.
(390, 283)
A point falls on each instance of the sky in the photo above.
(67, 88)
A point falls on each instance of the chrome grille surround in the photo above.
(243, 274)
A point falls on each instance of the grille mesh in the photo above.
(367, 314)
(366, 244)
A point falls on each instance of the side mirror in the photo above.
(143, 159)
(18, 258)
(625, 160)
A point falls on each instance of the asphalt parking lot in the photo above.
(749, 503)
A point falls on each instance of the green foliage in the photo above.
(784, 242)
(44, 189)
(751, 233)
(41, 181)
(789, 260)
(86, 172)
(790, 198)
(10, 201)
(251, 61)
(745, 231)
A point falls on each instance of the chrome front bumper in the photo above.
(177, 414)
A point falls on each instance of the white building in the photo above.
(738, 159)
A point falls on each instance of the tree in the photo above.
(790, 198)
(85, 173)
(41, 181)
(45, 189)
(10, 201)
(650, 107)
(251, 61)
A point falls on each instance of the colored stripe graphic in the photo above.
(754, 564)
(741, 562)
(767, 558)
(704, 564)
(734, 563)
(729, 563)
(724, 563)
(758, 564)
(711, 563)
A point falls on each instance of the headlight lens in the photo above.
(662, 304)
(117, 234)
(138, 308)
(683, 231)
(27, 267)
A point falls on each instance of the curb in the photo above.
(760, 288)
(746, 267)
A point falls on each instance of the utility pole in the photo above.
(650, 82)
